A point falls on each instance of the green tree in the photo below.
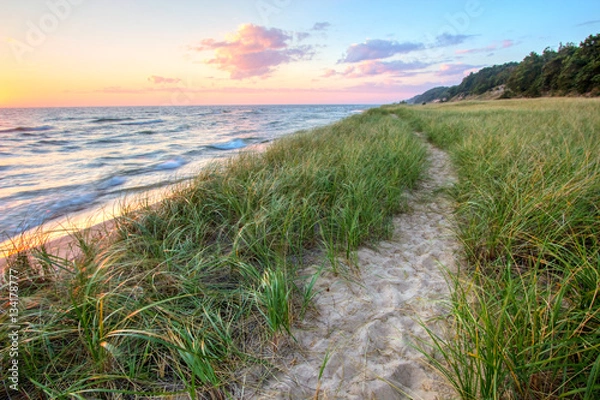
(526, 79)
(588, 77)
(554, 63)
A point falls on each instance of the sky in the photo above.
(63, 53)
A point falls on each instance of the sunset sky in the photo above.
(185, 52)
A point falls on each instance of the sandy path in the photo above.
(367, 326)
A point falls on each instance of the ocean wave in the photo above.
(43, 192)
(54, 142)
(150, 122)
(40, 151)
(105, 140)
(68, 205)
(112, 182)
(109, 120)
(18, 220)
(28, 129)
(70, 148)
(180, 128)
(171, 164)
(66, 119)
(146, 132)
(241, 132)
(195, 152)
(109, 158)
(94, 164)
(231, 145)
(73, 202)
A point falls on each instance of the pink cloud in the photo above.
(507, 43)
(376, 67)
(253, 51)
(371, 68)
(329, 73)
(456, 69)
(157, 80)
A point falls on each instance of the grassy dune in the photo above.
(193, 294)
(526, 309)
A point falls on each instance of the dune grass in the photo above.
(526, 310)
(193, 295)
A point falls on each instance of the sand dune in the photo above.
(366, 322)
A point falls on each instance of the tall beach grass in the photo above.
(193, 295)
(526, 309)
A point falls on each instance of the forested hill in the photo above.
(572, 70)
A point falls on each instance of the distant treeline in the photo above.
(572, 70)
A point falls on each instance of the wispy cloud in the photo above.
(446, 39)
(368, 68)
(300, 36)
(121, 90)
(253, 51)
(381, 87)
(157, 80)
(451, 70)
(492, 47)
(400, 89)
(594, 22)
(329, 73)
(321, 26)
(377, 49)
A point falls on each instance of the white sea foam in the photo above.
(171, 164)
(231, 145)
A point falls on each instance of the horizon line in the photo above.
(204, 105)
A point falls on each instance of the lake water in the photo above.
(56, 161)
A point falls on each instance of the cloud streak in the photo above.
(158, 80)
(594, 22)
(369, 68)
(253, 51)
(505, 44)
(321, 26)
(446, 40)
(377, 49)
(450, 70)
